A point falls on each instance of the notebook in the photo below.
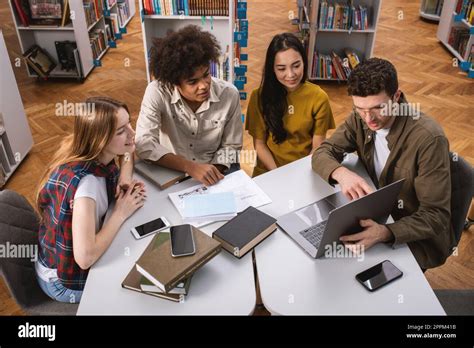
(161, 176)
(132, 282)
(209, 207)
(166, 271)
(245, 231)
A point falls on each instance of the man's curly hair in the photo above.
(179, 54)
(372, 77)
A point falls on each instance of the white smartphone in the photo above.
(150, 227)
(182, 241)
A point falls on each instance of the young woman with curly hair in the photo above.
(189, 121)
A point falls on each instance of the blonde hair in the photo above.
(92, 132)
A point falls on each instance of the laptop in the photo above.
(323, 222)
(161, 176)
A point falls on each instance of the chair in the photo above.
(459, 302)
(19, 231)
(456, 302)
(462, 190)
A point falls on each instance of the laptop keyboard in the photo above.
(314, 233)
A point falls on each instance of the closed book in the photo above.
(165, 271)
(245, 231)
(161, 176)
(181, 289)
(132, 282)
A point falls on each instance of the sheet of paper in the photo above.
(246, 192)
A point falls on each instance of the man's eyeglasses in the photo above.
(376, 110)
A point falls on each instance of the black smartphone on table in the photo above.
(182, 240)
(379, 275)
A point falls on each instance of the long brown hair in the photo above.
(92, 132)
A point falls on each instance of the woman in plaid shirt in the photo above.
(80, 183)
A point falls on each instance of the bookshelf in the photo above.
(431, 9)
(327, 36)
(15, 135)
(86, 27)
(157, 22)
(456, 33)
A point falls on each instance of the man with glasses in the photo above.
(394, 142)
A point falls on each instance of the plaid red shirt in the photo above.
(55, 233)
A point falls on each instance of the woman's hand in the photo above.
(130, 200)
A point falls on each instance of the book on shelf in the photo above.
(108, 4)
(332, 66)
(46, 9)
(123, 8)
(344, 16)
(465, 8)
(220, 69)
(93, 10)
(40, 13)
(98, 42)
(186, 7)
(241, 234)
(165, 271)
(39, 60)
(112, 20)
(458, 39)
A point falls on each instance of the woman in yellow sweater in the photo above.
(288, 116)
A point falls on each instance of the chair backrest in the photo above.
(19, 240)
(462, 190)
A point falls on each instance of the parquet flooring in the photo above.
(425, 69)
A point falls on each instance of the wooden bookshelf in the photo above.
(325, 40)
(157, 25)
(15, 134)
(76, 30)
(451, 19)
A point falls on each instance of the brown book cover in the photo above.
(165, 271)
(132, 282)
(241, 234)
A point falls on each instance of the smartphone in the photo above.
(379, 275)
(182, 241)
(150, 227)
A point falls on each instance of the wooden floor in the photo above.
(425, 71)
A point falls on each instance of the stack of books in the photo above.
(458, 39)
(186, 7)
(331, 66)
(342, 16)
(159, 274)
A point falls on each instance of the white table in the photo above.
(293, 283)
(223, 286)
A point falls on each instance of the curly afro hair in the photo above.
(372, 77)
(179, 54)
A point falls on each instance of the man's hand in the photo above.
(352, 185)
(372, 234)
(207, 174)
